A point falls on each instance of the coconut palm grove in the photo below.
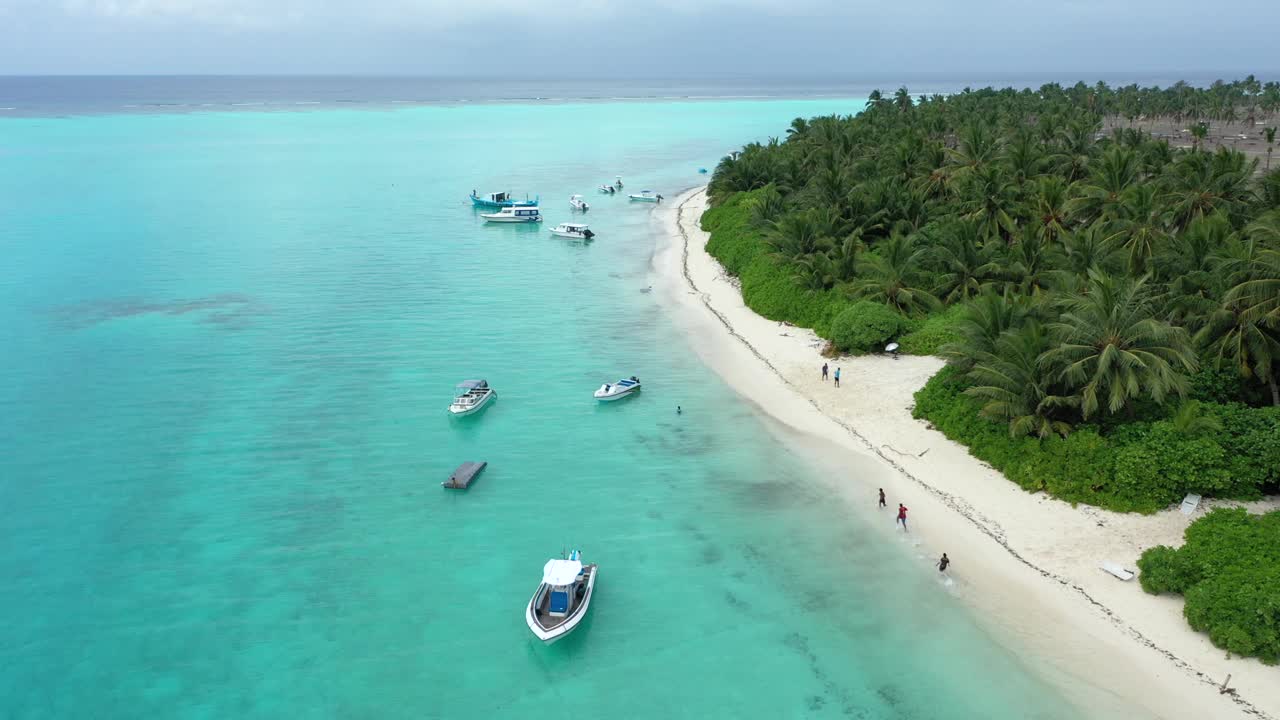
(1100, 267)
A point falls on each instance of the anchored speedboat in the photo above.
(577, 203)
(618, 390)
(646, 196)
(562, 599)
(471, 396)
(576, 231)
(521, 214)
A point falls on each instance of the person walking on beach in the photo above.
(837, 376)
(882, 503)
(824, 372)
(943, 563)
(902, 516)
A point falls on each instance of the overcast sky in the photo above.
(635, 38)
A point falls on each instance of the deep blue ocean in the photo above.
(227, 344)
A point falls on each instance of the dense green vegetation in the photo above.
(1109, 305)
(1229, 573)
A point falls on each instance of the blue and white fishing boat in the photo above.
(495, 201)
(562, 599)
(646, 196)
(618, 390)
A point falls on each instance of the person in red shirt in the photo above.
(902, 515)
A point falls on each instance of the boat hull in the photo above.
(549, 636)
(510, 219)
(638, 198)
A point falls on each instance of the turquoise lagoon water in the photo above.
(228, 342)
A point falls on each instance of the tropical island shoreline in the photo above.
(1027, 563)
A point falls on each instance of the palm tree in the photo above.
(893, 275)
(1015, 387)
(1190, 420)
(1232, 338)
(1139, 226)
(1270, 134)
(798, 235)
(1112, 350)
(1259, 296)
(982, 323)
(965, 261)
(1198, 132)
(1099, 196)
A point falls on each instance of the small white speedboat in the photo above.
(577, 203)
(562, 599)
(514, 215)
(607, 190)
(471, 396)
(646, 196)
(575, 231)
(616, 391)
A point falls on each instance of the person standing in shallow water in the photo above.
(824, 372)
(837, 377)
(902, 516)
(882, 503)
(943, 563)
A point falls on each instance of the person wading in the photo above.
(902, 516)
(882, 503)
(943, 563)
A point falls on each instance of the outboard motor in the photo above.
(588, 234)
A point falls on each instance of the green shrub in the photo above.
(769, 287)
(1228, 572)
(1137, 467)
(865, 326)
(927, 336)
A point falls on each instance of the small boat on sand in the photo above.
(646, 196)
(616, 391)
(471, 396)
(575, 231)
(577, 203)
(562, 600)
(495, 201)
(522, 214)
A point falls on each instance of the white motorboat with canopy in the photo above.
(519, 214)
(562, 599)
(471, 396)
(618, 390)
(646, 196)
(577, 231)
(577, 203)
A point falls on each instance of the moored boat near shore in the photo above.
(514, 215)
(646, 196)
(576, 231)
(618, 390)
(495, 201)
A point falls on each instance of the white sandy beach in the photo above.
(1027, 563)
